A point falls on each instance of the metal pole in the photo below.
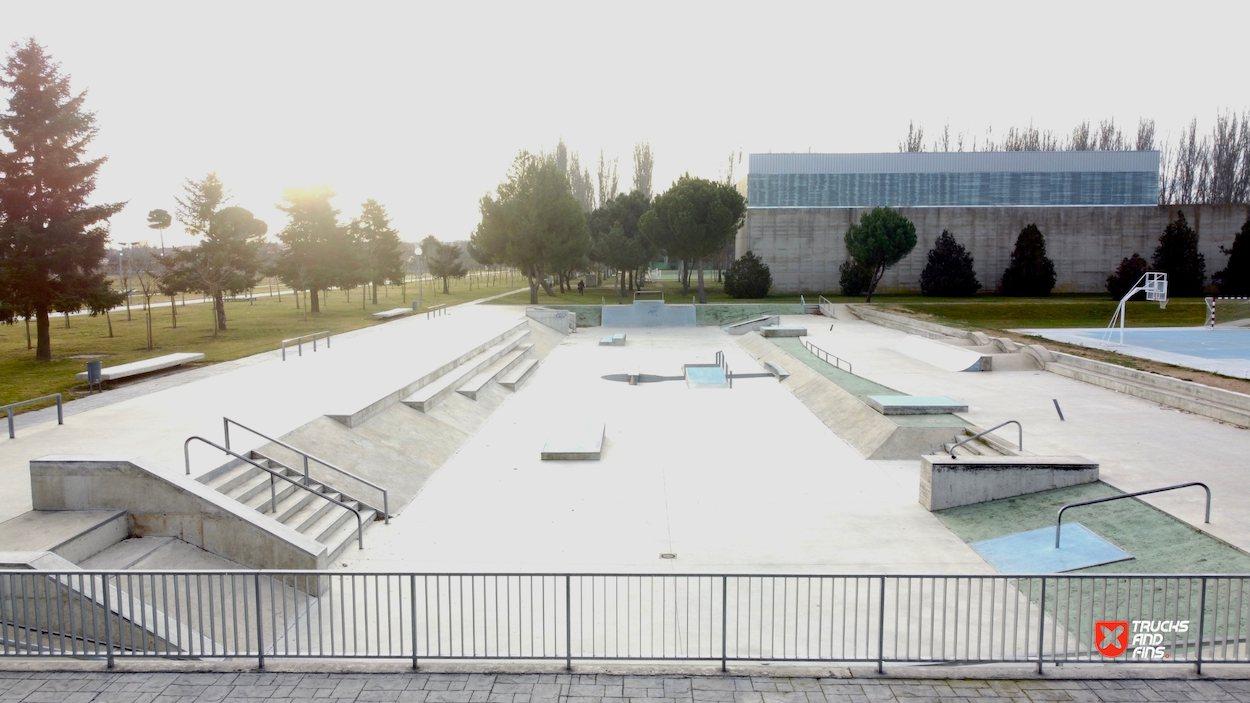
(225, 423)
(305, 469)
(724, 619)
(9, 411)
(1041, 625)
(568, 623)
(260, 629)
(60, 414)
(881, 631)
(1202, 621)
(412, 590)
(108, 622)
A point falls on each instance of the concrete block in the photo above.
(395, 312)
(783, 331)
(583, 442)
(135, 368)
(947, 483)
(915, 404)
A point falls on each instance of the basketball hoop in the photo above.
(1155, 284)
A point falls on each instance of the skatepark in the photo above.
(493, 485)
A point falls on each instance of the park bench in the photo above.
(388, 314)
(135, 368)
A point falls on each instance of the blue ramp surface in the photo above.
(1034, 552)
(648, 313)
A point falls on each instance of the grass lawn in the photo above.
(254, 328)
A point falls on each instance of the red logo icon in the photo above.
(1111, 636)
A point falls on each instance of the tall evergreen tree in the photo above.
(1131, 269)
(949, 271)
(442, 260)
(381, 255)
(1030, 272)
(1177, 255)
(51, 240)
(318, 251)
(1234, 279)
(879, 240)
(692, 220)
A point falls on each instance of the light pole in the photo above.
(417, 255)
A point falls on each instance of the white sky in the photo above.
(422, 106)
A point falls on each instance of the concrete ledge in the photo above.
(135, 368)
(395, 312)
(162, 502)
(947, 483)
(575, 443)
(915, 405)
(776, 370)
(752, 325)
(783, 331)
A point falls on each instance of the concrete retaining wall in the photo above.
(803, 247)
(173, 505)
(947, 482)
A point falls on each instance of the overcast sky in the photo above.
(422, 106)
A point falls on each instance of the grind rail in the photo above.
(299, 342)
(1059, 517)
(828, 358)
(689, 618)
(8, 409)
(386, 504)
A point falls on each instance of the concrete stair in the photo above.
(984, 446)
(462, 374)
(492, 373)
(517, 376)
(1226, 406)
(306, 511)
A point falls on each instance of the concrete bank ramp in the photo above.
(942, 355)
(872, 434)
(649, 313)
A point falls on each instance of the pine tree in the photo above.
(1031, 272)
(318, 251)
(1234, 279)
(949, 272)
(748, 277)
(1177, 255)
(1130, 272)
(381, 256)
(51, 240)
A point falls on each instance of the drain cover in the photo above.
(668, 555)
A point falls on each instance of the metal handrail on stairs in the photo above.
(360, 525)
(386, 509)
(837, 361)
(982, 433)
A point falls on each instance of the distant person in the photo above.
(581, 287)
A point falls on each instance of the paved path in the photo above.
(82, 687)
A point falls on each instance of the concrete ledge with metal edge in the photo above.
(60, 409)
(135, 368)
(964, 480)
(161, 502)
(299, 342)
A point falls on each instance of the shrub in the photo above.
(949, 272)
(1031, 272)
(748, 277)
(854, 277)
(1130, 272)
(1177, 255)
(1234, 279)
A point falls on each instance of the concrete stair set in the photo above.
(507, 362)
(304, 511)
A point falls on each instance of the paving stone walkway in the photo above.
(95, 687)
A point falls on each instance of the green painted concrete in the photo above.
(727, 313)
(1159, 543)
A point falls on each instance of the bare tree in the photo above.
(1145, 135)
(644, 164)
(148, 271)
(581, 184)
(915, 139)
(608, 183)
(1082, 139)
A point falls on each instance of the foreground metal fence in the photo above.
(689, 618)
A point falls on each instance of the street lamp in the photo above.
(416, 253)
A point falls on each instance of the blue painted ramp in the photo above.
(648, 313)
(1034, 552)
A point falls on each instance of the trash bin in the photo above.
(414, 306)
(95, 375)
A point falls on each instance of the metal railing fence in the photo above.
(299, 342)
(828, 358)
(612, 617)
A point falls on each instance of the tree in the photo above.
(693, 219)
(644, 165)
(51, 240)
(949, 272)
(532, 219)
(160, 221)
(854, 277)
(221, 261)
(1131, 270)
(442, 260)
(227, 260)
(318, 252)
(1030, 272)
(748, 277)
(1177, 255)
(607, 178)
(381, 255)
(879, 240)
(630, 252)
(1234, 278)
